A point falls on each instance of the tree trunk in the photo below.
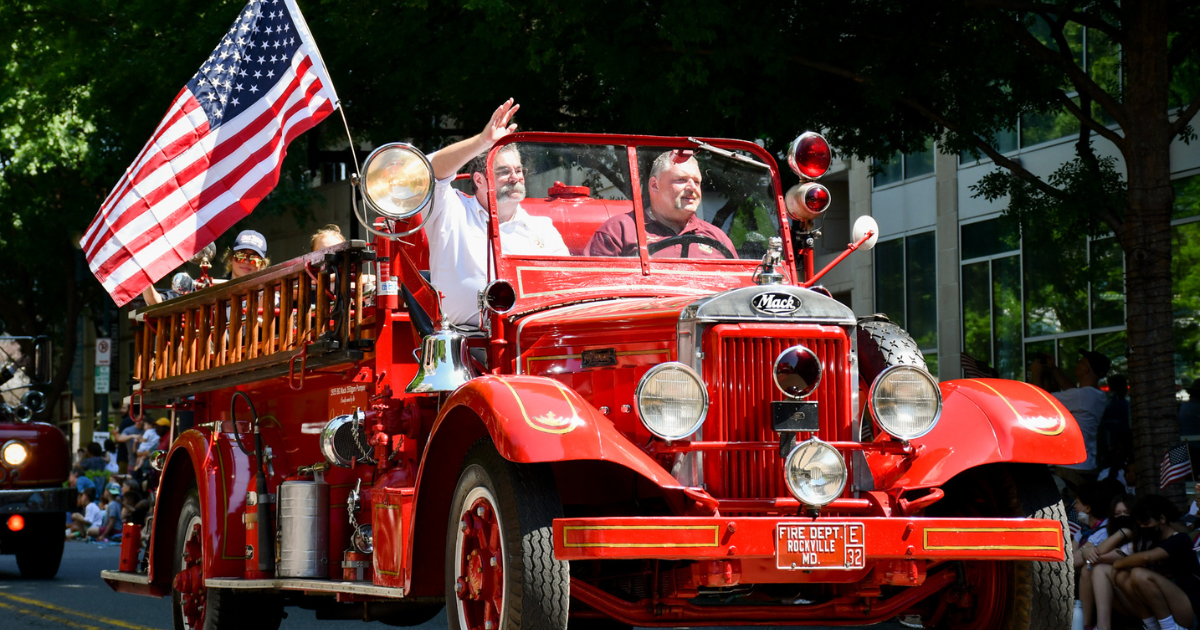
(73, 306)
(1146, 240)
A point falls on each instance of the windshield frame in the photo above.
(680, 276)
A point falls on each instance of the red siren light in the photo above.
(806, 202)
(809, 155)
(16, 523)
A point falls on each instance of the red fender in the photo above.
(986, 421)
(221, 474)
(534, 419)
(530, 420)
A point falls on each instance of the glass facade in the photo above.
(906, 288)
(904, 166)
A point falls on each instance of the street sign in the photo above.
(104, 352)
(101, 381)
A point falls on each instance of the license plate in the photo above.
(794, 415)
(820, 546)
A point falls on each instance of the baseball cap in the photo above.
(114, 489)
(162, 422)
(1099, 362)
(251, 240)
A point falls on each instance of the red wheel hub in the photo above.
(479, 585)
(977, 602)
(190, 581)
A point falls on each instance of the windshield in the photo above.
(696, 205)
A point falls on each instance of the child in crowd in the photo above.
(88, 523)
(110, 501)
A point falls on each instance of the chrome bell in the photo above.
(445, 364)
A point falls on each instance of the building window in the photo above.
(904, 166)
(1018, 304)
(906, 289)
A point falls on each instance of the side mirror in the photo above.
(863, 226)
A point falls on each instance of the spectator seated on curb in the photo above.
(110, 501)
(88, 523)
(1162, 580)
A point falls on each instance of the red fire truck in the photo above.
(685, 434)
(35, 459)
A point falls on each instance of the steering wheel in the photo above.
(688, 239)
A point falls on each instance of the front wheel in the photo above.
(40, 549)
(500, 566)
(1006, 595)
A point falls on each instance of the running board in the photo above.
(309, 585)
(135, 583)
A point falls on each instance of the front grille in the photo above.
(737, 366)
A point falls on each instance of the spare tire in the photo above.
(882, 344)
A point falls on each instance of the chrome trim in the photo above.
(672, 365)
(303, 584)
(125, 576)
(775, 371)
(936, 390)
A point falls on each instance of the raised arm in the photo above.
(449, 160)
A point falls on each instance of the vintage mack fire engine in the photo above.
(35, 459)
(686, 434)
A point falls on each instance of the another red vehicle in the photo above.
(668, 438)
(35, 460)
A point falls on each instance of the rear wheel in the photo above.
(40, 549)
(500, 566)
(1005, 595)
(196, 607)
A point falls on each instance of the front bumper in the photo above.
(31, 500)
(882, 538)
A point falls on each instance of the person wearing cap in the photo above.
(111, 504)
(674, 191)
(248, 255)
(457, 223)
(1086, 403)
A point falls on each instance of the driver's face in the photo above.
(675, 193)
(509, 176)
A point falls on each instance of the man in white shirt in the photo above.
(1087, 403)
(457, 223)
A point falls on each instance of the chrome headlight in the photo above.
(15, 453)
(672, 400)
(906, 401)
(815, 472)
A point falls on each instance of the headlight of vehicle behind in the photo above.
(15, 453)
(672, 401)
(906, 401)
(815, 472)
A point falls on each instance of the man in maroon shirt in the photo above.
(672, 228)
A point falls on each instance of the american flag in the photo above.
(1176, 465)
(1072, 524)
(975, 368)
(216, 153)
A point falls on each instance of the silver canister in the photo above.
(304, 529)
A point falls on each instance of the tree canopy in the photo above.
(85, 83)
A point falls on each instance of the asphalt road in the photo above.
(78, 599)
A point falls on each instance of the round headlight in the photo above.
(797, 372)
(672, 401)
(14, 453)
(906, 401)
(397, 180)
(815, 472)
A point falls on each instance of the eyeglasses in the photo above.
(249, 257)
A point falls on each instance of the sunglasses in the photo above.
(248, 257)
